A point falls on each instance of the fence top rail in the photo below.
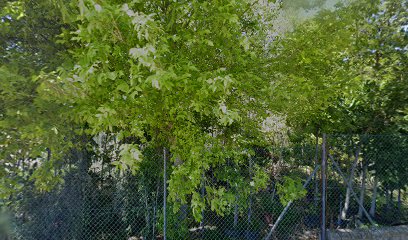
(367, 135)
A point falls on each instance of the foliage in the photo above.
(171, 81)
(330, 73)
(291, 189)
(125, 81)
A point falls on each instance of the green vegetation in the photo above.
(93, 91)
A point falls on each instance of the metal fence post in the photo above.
(164, 193)
(324, 180)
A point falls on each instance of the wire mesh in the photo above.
(366, 179)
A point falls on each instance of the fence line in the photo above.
(106, 205)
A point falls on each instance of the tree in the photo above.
(182, 76)
(345, 71)
(311, 76)
(33, 128)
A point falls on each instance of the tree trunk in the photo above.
(349, 186)
(273, 191)
(183, 208)
(316, 194)
(392, 197)
(147, 213)
(203, 196)
(362, 192)
(399, 203)
(250, 192)
(250, 209)
(387, 199)
(236, 212)
(374, 197)
(165, 154)
(155, 209)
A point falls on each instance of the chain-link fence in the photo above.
(365, 185)
(366, 180)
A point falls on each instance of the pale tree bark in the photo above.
(387, 199)
(273, 191)
(399, 202)
(362, 191)
(349, 186)
(374, 197)
(392, 197)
